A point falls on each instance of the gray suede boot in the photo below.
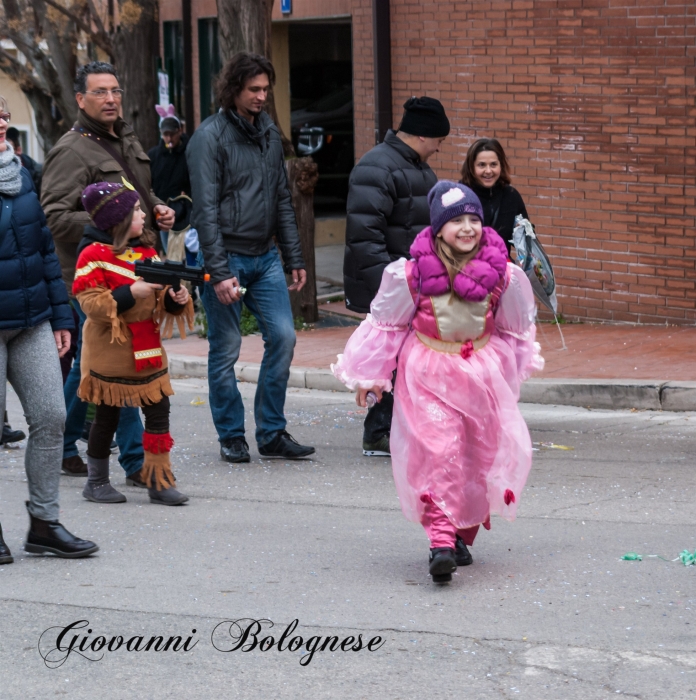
(98, 488)
(167, 497)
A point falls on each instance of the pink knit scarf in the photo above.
(474, 283)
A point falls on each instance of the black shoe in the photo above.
(45, 537)
(442, 564)
(5, 554)
(235, 450)
(85, 431)
(462, 554)
(9, 435)
(285, 446)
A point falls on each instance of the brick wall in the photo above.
(594, 102)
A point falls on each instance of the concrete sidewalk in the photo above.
(648, 367)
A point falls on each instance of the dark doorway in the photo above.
(321, 103)
(209, 64)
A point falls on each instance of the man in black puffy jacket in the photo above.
(241, 202)
(387, 208)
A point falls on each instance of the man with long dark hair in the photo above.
(241, 203)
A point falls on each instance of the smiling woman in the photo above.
(486, 171)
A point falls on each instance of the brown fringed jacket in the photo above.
(123, 361)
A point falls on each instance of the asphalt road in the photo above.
(547, 610)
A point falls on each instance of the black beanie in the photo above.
(424, 116)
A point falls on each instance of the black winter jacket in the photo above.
(240, 192)
(387, 209)
(31, 282)
(169, 170)
(501, 204)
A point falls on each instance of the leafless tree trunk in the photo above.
(303, 174)
(47, 70)
(138, 27)
(245, 25)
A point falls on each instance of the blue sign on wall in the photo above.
(286, 6)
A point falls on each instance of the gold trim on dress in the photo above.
(117, 269)
(451, 348)
(145, 354)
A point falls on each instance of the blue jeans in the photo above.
(268, 300)
(129, 436)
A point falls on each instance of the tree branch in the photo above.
(18, 72)
(97, 19)
(99, 37)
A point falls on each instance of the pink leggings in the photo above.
(440, 530)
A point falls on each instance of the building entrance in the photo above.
(321, 104)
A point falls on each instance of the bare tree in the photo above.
(53, 36)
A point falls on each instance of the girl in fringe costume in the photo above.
(458, 321)
(123, 361)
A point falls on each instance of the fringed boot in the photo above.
(157, 470)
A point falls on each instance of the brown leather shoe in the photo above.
(135, 479)
(74, 466)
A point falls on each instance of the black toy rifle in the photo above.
(170, 273)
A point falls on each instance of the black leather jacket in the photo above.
(387, 208)
(240, 193)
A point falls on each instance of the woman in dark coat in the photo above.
(486, 171)
(35, 323)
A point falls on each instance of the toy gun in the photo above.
(169, 272)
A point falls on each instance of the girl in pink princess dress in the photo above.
(457, 323)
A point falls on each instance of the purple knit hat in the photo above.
(448, 199)
(108, 203)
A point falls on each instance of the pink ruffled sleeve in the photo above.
(514, 322)
(370, 356)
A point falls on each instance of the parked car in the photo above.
(324, 130)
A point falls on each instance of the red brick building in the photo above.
(595, 104)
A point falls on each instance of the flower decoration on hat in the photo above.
(452, 197)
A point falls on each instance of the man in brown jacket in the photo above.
(95, 150)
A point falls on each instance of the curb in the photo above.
(645, 394)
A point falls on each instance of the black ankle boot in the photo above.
(46, 537)
(462, 554)
(5, 554)
(442, 564)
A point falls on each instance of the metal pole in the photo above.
(381, 30)
(188, 66)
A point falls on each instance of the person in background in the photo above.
(487, 172)
(242, 210)
(35, 323)
(100, 146)
(34, 168)
(170, 176)
(387, 208)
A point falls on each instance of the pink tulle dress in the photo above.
(458, 440)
